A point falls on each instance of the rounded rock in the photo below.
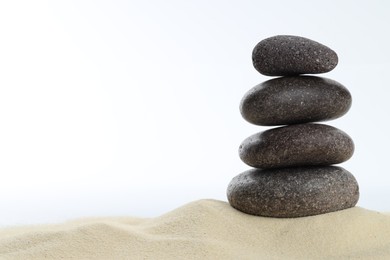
(294, 100)
(293, 192)
(296, 145)
(287, 55)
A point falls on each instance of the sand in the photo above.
(205, 229)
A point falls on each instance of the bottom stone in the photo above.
(293, 192)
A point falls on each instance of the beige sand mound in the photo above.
(206, 229)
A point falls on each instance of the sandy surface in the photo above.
(206, 229)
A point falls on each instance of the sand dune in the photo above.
(206, 229)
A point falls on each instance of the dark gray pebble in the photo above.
(296, 145)
(293, 192)
(287, 55)
(293, 100)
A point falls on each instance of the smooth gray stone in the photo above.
(296, 145)
(293, 192)
(287, 55)
(293, 100)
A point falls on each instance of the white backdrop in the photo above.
(112, 108)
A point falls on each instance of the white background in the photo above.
(130, 108)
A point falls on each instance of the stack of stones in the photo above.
(293, 176)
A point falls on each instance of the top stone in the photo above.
(286, 55)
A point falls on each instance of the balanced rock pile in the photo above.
(293, 176)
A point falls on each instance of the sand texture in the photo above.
(206, 229)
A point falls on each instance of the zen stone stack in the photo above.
(294, 174)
